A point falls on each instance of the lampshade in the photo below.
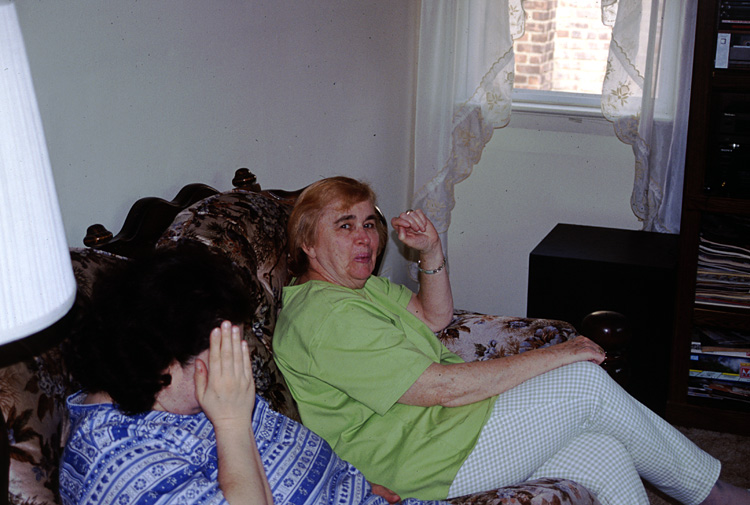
(37, 286)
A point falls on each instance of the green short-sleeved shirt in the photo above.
(348, 356)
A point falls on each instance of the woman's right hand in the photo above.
(384, 492)
(579, 348)
(457, 384)
(224, 387)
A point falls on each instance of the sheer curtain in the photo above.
(464, 85)
(646, 93)
(465, 81)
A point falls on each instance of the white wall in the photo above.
(528, 181)
(140, 98)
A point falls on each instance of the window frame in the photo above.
(557, 102)
(587, 106)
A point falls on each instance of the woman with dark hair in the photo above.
(361, 359)
(168, 413)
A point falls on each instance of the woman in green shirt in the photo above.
(360, 357)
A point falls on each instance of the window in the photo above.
(562, 56)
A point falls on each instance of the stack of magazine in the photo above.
(723, 277)
(720, 365)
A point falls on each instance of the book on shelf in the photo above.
(715, 340)
(716, 300)
(697, 348)
(722, 374)
(721, 300)
(736, 368)
(719, 390)
(718, 385)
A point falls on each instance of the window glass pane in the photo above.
(564, 47)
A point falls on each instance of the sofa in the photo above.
(248, 225)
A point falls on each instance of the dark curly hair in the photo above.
(145, 314)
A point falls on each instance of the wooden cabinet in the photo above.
(576, 270)
(717, 189)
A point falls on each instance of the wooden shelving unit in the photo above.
(712, 90)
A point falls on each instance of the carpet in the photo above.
(732, 450)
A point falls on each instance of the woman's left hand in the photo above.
(433, 304)
(225, 389)
(416, 230)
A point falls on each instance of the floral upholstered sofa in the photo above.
(250, 227)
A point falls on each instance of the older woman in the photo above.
(169, 412)
(361, 359)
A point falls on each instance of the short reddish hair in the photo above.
(303, 222)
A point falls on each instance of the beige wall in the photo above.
(528, 180)
(139, 98)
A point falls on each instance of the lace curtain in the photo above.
(647, 95)
(465, 81)
(464, 85)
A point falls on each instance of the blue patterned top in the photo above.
(163, 458)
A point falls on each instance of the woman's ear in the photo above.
(309, 250)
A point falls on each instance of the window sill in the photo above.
(560, 118)
(556, 111)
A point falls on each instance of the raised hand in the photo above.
(225, 389)
(224, 386)
(416, 230)
(433, 304)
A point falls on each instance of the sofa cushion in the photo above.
(479, 337)
(250, 229)
(33, 386)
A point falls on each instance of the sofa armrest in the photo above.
(477, 337)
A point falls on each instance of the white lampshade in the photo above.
(37, 286)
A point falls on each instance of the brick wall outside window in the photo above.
(564, 47)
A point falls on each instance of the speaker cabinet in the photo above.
(576, 270)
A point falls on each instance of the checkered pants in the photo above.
(576, 423)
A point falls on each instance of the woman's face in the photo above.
(346, 245)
